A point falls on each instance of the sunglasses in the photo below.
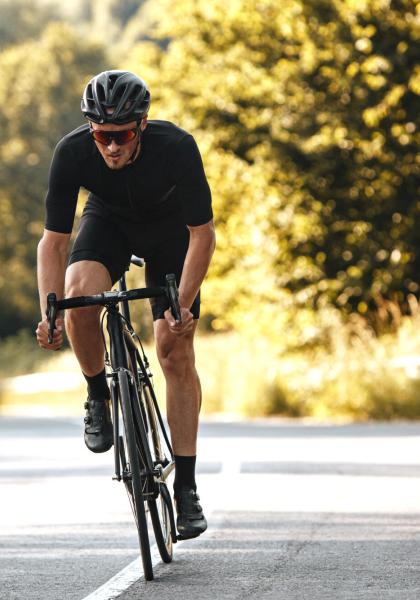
(119, 137)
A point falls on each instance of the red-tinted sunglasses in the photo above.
(119, 137)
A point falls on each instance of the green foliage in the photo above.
(19, 354)
(40, 93)
(306, 113)
(356, 376)
(112, 17)
(360, 141)
(124, 11)
(353, 376)
(19, 21)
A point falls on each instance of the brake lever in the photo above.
(51, 315)
(172, 292)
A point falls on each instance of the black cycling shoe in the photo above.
(98, 426)
(191, 521)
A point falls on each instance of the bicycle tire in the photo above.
(161, 520)
(155, 436)
(161, 509)
(136, 492)
(160, 505)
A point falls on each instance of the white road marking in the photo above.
(133, 572)
(115, 586)
(230, 467)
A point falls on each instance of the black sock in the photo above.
(184, 472)
(97, 386)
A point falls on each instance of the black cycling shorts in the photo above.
(111, 242)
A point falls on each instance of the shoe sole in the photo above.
(191, 536)
(100, 449)
(182, 538)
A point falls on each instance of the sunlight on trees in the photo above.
(307, 119)
(40, 93)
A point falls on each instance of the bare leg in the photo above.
(183, 397)
(183, 391)
(83, 324)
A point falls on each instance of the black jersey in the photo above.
(166, 181)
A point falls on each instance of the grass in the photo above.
(355, 376)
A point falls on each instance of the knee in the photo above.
(84, 279)
(77, 284)
(176, 358)
(80, 316)
(74, 288)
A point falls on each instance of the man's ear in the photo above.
(143, 123)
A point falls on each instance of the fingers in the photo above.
(42, 335)
(183, 328)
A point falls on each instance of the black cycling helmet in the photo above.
(123, 91)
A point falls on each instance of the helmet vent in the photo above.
(119, 93)
(89, 93)
(112, 80)
(136, 91)
(101, 93)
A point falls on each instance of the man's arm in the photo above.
(51, 269)
(197, 261)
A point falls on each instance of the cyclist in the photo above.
(148, 195)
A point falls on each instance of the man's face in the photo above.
(117, 156)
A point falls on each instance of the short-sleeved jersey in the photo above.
(167, 180)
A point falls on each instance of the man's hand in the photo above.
(180, 329)
(42, 334)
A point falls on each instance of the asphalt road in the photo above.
(296, 511)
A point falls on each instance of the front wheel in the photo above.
(133, 479)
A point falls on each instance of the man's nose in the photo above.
(113, 146)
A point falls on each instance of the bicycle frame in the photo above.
(119, 360)
(125, 311)
(115, 329)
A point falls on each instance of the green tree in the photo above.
(40, 91)
(358, 134)
(116, 18)
(20, 20)
(306, 113)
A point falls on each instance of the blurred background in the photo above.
(306, 114)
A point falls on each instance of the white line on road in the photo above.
(115, 586)
(133, 572)
(230, 467)
(118, 584)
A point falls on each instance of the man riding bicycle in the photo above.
(148, 195)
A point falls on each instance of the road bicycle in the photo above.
(143, 454)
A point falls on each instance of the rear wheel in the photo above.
(161, 520)
(132, 473)
(161, 508)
